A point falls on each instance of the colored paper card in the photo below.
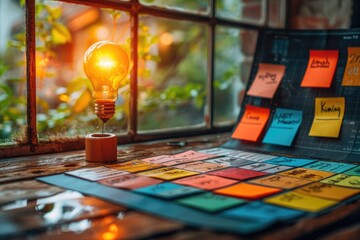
(200, 166)
(134, 166)
(281, 181)
(308, 174)
(328, 191)
(188, 156)
(291, 162)
(237, 173)
(229, 161)
(130, 181)
(252, 123)
(354, 171)
(156, 159)
(277, 169)
(329, 114)
(335, 167)
(96, 173)
(267, 80)
(217, 151)
(258, 166)
(285, 123)
(260, 211)
(248, 191)
(343, 180)
(320, 69)
(251, 156)
(206, 182)
(168, 190)
(351, 73)
(301, 201)
(174, 174)
(210, 202)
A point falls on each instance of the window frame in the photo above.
(32, 144)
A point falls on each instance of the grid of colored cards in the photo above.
(240, 185)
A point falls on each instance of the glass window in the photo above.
(172, 67)
(12, 73)
(201, 7)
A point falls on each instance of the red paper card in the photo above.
(252, 123)
(237, 173)
(320, 69)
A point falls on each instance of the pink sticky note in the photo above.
(206, 182)
(130, 181)
(267, 80)
(188, 156)
(237, 173)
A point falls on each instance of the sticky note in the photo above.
(328, 191)
(329, 114)
(174, 174)
(320, 69)
(277, 169)
(210, 202)
(252, 123)
(285, 123)
(155, 172)
(258, 166)
(229, 161)
(156, 159)
(260, 211)
(237, 173)
(301, 201)
(343, 180)
(308, 174)
(206, 182)
(247, 191)
(188, 156)
(251, 156)
(291, 162)
(281, 181)
(168, 190)
(200, 166)
(335, 167)
(96, 173)
(351, 73)
(134, 166)
(354, 171)
(130, 181)
(267, 80)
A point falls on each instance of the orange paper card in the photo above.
(252, 123)
(281, 181)
(320, 69)
(206, 182)
(248, 191)
(267, 80)
(351, 73)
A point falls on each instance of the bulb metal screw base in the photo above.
(104, 109)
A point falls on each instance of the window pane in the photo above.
(63, 33)
(277, 13)
(12, 73)
(172, 73)
(201, 7)
(234, 50)
(242, 10)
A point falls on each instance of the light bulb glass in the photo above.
(105, 64)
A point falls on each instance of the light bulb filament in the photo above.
(105, 91)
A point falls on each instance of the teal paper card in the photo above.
(335, 167)
(284, 126)
(291, 162)
(168, 190)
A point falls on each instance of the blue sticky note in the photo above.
(168, 190)
(291, 162)
(259, 211)
(284, 126)
(335, 167)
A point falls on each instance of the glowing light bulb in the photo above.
(105, 64)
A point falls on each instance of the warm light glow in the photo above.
(167, 39)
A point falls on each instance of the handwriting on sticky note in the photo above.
(351, 73)
(344, 180)
(329, 114)
(267, 80)
(286, 123)
(320, 69)
(206, 182)
(252, 123)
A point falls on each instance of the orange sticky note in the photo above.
(320, 69)
(248, 191)
(280, 181)
(252, 123)
(267, 80)
(352, 74)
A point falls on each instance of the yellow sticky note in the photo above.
(328, 191)
(134, 166)
(301, 201)
(329, 114)
(175, 174)
(351, 73)
(308, 174)
(344, 180)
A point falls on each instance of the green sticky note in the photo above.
(344, 180)
(210, 202)
(354, 171)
